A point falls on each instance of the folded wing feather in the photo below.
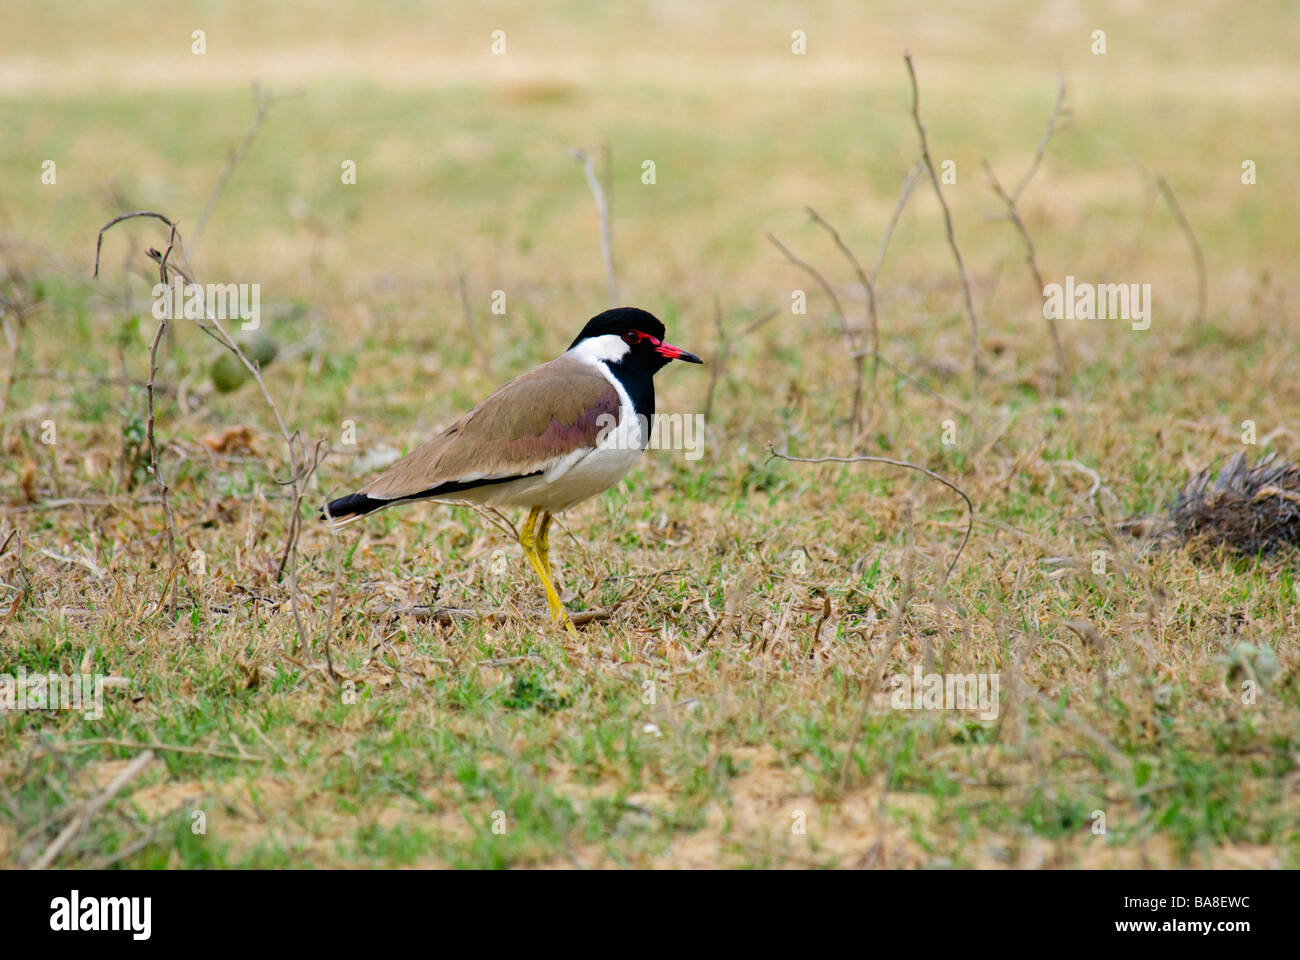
(520, 429)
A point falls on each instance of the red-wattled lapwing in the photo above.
(547, 440)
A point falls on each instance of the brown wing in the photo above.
(546, 413)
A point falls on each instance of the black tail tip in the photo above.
(353, 505)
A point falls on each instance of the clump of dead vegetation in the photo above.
(1248, 509)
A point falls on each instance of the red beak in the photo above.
(676, 353)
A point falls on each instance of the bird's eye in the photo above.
(632, 337)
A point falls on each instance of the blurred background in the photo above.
(463, 156)
(463, 164)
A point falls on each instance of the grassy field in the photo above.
(729, 703)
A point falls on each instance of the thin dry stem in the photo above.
(1197, 256)
(1011, 202)
(855, 415)
(292, 440)
(970, 506)
(92, 810)
(264, 103)
(904, 194)
(606, 239)
(873, 322)
(952, 242)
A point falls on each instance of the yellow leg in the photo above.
(543, 541)
(537, 549)
(544, 555)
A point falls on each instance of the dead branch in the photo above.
(292, 440)
(446, 616)
(14, 338)
(159, 479)
(1031, 258)
(1167, 192)
(855, 352)
(868, 284)
(873, 321)
(485, 357)
(290, 558)
(99, 240)
(92, 809)
(1058, 111)
(263, 102)
(952, 239)
(606, 241)
(904, 194)
(1010, 201)
(719, 357)
(334, 594)
(862, 458)
(855, 418)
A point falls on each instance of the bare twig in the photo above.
(485, 357)
(290, 559)
(970, 507)
(1167, 192)
(850, 338)
(606, 241)
(1058, 111)
(1013, 214)
(14, 338)
(263, 102)
(159, 479)
(99, 240)
(493, 516)
(212, 325)
(719, 357)
(868, 284)
(92, 809)
(1031, 258)
(446, 616)
(904, 194)
(334, 596)
(873, 321)
(165, 747)
(952, 240)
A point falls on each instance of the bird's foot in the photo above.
(558, 613)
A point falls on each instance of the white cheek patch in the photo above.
(608, 348)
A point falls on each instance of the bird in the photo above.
(546, 441)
